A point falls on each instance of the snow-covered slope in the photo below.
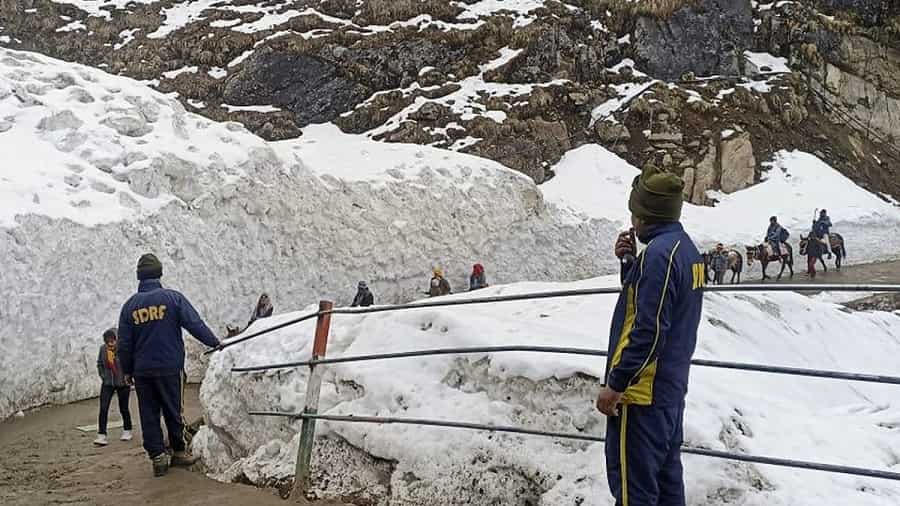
(101, 169)
(592, 182)
(802, 418)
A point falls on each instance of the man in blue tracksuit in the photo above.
(822, 229)
(652, 338)
(151, 351)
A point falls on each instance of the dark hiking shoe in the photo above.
(183, 459)
(160, 464)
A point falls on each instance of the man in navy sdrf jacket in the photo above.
(151, 351)
(652, 338)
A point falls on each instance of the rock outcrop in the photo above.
(736, 163)
(312, 89)
(518, 85)
(708, 38)
(870, 12)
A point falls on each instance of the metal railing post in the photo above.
(313, 387)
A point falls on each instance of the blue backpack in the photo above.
(784, 235)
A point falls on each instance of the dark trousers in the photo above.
(106, 395)
(720, 277)
(160, 395)
(643, 456)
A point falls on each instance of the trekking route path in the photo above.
(882, 273)
(44, 460)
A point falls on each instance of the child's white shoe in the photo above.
(126, 435)
(101, 440)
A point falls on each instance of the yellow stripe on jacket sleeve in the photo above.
(631, 294)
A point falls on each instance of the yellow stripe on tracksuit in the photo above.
(623, 454)
(182, 380)
(641, 393)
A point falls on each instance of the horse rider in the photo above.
(821, 230)
(775, 235)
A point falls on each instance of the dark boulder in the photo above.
(706, 38)
(313, 89)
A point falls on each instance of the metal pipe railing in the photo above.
(614, 290)
(309, 416)
(793, 371)
(756, 459)
(273, 328)
(431, 303)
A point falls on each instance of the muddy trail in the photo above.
(882, 273)
(44, 459)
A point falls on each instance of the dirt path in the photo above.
(45, 460)
(883, 272)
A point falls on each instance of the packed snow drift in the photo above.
(801, 418)
(103, 169)
(593, 182)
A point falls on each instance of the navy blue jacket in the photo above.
(150, 342)
(774, 233)
(822, 226)
(654, 328)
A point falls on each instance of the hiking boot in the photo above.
(183, 459)
(126, 435)
(160, 464)
(101, 440)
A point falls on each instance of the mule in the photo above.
(735, 265)
(761, 253)
(837, 247)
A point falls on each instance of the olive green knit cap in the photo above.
(656, 196)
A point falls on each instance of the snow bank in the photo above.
(107, 169)
(592, 182)
(803, 418)
(760, 61)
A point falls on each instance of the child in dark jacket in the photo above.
(110, 371)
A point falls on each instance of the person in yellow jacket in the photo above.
(438, 285)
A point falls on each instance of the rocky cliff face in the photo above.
(520, 82)
(706, 38)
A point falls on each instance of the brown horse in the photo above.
(814, 250)
(761, 253)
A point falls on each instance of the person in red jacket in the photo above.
(477, 279)
(652, 339)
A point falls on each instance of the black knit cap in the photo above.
(149, 267)
(109, 333)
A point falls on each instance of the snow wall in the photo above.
(102, 169)
(802, 418)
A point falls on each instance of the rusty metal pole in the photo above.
(313, 387)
